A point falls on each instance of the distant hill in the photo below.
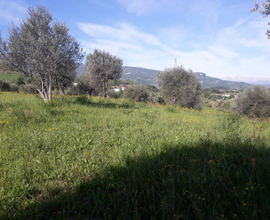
(210, 82)
(140, 75)
(148, 76)
(80, 69)
(252, 80)
(137, 74)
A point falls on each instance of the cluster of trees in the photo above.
(19, 86)
(44, 51)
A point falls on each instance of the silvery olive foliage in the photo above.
(89, 83)
(102, 66)
(180, 87)
(139, 93)
(263, 9)
(43, 49)
(254, 102)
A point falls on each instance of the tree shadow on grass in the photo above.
(204, 181)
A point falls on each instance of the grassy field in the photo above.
(5, 76)
(81, 158)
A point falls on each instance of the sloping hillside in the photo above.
(210, 82)
(148, 76)
(140, 75)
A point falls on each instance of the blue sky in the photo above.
(217, 37)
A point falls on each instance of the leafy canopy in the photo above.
(180, 87)
(104, 66)
(42, 49)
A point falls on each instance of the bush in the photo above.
(82, 99)
(232, 96)
(14, 87)
(254, 101)
(161, 100)
(115, 95)
(223, 105)
(28, 89)
(139, 93)
(4, 86)
(21, 81)
(180, 87)
(75, 90)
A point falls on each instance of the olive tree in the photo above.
(254, 101)
(139, 93)
(263, 9)
(64, 79)
(103, 66)
(180, 87)
(88, 83)
(42, 49)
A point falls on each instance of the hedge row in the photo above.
(12, 87)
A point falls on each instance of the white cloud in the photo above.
(248, 33)
(108, 45)
(233, 50)
(11, 10)
(177, 36)
(209, 10)
(125, 32)
(142, 7)
(223, 52)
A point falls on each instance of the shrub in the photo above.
(180, 87)
(73, 90)
(28, 89)
(21, 81)
(115, 95)
(223, 105)
(232, 96)
(82, 99)
(160, 100)
(139, 93)
(14, 87)
(4, 86)
(254, 101)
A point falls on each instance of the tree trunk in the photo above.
(42, 96)
(50, 87)
(43, 92)
(61, 90)
(105, 88)
(90, 91)
(174, 100)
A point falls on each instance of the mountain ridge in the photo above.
(148, 76)
(251, 80)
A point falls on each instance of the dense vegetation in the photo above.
(254, 102)
(180, 87)
(81, 158)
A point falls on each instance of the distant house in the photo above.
(120, 88)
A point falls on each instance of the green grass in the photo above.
(80, 158)
(5, 76)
